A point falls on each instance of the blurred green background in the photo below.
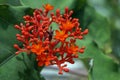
(101, 17)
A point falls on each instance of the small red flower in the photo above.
(48, 7)
(67, 25)
(37, 48)
(38, 37)
(44, 59)
(61, 35)
(73, 49)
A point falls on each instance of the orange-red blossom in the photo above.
(38, 37)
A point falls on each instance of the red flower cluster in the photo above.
(38, 37)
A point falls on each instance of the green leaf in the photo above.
(10, 2)
(115, 38)
(79, 11)
(99, 29)
(103, 65)
(99, 36)
(116, 43)
(20, 67)
(57, 4)
(9, 17)
(14, 67)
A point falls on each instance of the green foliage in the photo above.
(99, 28)
(98, 38)
(20, 67)
(8, 19)
(39, 3)
(98, 42)
(103, 66)
(10, 2)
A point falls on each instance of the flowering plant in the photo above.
(35, 34)
(38, 37)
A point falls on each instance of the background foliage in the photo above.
(101, 17)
